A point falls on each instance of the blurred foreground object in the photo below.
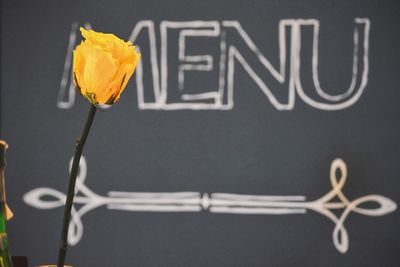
(5, 257)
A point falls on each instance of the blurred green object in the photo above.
(5, 256)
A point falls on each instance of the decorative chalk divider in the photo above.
(216, 203)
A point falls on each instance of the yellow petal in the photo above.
(95, 70)
(108, 42)
(77, 68)
(130, 68)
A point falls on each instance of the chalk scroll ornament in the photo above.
(88, 200)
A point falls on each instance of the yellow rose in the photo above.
(103, 65)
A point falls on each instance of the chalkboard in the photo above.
(253, 133)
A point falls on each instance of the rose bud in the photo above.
(103, 65)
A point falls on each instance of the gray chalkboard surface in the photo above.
(254, 133)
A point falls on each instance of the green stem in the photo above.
(79, 144)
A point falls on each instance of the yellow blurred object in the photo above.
(5, 212)
(4, 144)
(103, 65)
(9, 213)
